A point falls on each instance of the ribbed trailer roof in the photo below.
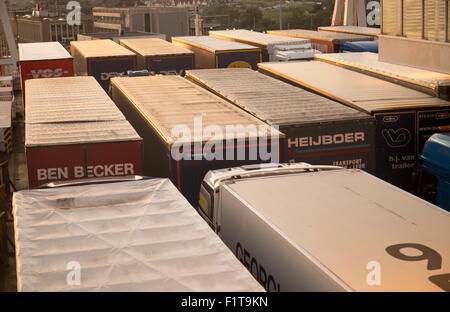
(213, 44)
(128, 236)
(356, 30)
(100, 48)
(69, 133)
(269, 99)
(363, 92)
(154, 47)
(38, 51)
(321, 35)
(255, 38)
(368, 62)
(167, 102)
(68, 99)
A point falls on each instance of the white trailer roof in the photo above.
(213, 44)
(38, 51)
(256, 38)
(344, 219)
(68, 99)
(355, 89)
(127, 236)
(100, 48)
(368, 62)
(357, 30)
(153, 47)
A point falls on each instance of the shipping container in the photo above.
(133, 235)
(73, 130)
(433, 83)
(338, 229)
(43, 60)
(317, 130)
(212, 52)
(102, 59)
(354, 30)
(267, 42)
(159, 56)
(188, 131)
(405, 118)
(325, 42)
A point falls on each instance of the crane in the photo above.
(14, 55)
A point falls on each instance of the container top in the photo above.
(344, 219)
(68, 99)
(5, 114)
(172, 102)
(356, 30)
(69, 133)
(128, 236)
(213, 44)
(320, 35)
(154, 47)
(269, 99)
(100, 48)
(255, 38)
(40, 51)
(368, 62)
(358, 90)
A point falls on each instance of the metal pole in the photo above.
(281, 17)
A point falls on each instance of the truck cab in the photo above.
(434, 180)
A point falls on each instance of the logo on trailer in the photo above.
(47, 73)
(239, 64)
(397, 138)
(108, 76)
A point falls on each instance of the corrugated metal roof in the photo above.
(67, 133)
(357, 30)
(168, 102)
(127, 236)
(154, 47)
(320, 35)
(213, 44)
(254, 37)
(270, 99)
(100, 48)
(42, 51)
(68, 99)
(368, 62)
(352, 88)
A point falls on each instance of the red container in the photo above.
(74, 131)
(43, 60)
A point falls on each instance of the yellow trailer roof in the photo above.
(100, 48)
(153, 47)
(356, 30)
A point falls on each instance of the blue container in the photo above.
(359, 46)
(436, 161)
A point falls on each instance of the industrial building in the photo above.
(171, 21)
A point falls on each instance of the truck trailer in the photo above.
(159, 56)
(188, 131)
(405, 118)
(43, 60)
(323, 41)
(212, 52)
(325, 228)
(74, 131)
(102, 59)
(120, 235)
(317, 129)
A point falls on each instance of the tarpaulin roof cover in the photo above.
(126, 236)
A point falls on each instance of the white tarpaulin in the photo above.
(126, 236)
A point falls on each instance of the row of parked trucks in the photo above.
(292, 192)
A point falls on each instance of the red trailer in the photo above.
(82, 136)
(43, 60)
